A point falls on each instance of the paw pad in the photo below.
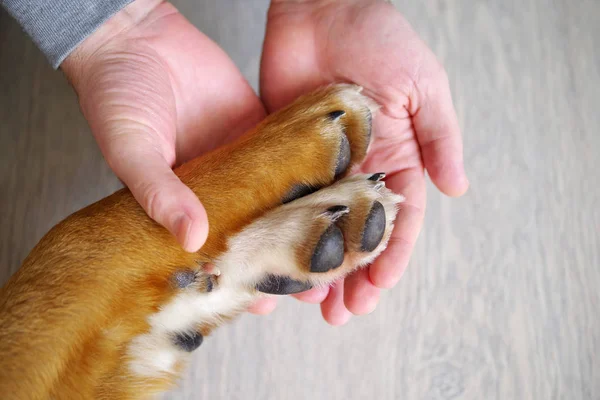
(184, 278)
(329, 252)
(344, 156)
(188, 342)
(274, 284)
(298, 191)
(374, 228)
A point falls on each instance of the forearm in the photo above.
(58, 26)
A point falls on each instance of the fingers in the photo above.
(333, 309)
(314, 296)
(438, 133)
(263, 306)
(360, 294)
(387, 269)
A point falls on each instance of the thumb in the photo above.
(164, 197)
(439, 136)
(131, 110)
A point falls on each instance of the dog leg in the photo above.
(75, 315)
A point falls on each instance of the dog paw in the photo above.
(338, 117)
(314, 240)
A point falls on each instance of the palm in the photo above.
(214, 103)
(370, 44)
(179, 92)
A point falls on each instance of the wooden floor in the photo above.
(502, 298)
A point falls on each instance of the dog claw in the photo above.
(336, 212)
(377, 177)
(335, 115)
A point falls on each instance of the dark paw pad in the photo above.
(369, 126)
(209, 284)
(184, 278)
(329, 252)
(188, 341)
(374, 228)
(298, 191)
(274, 284)
(344, 156)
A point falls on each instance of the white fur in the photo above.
(352, 96)
(154, 353)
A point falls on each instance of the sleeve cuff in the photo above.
(58, 26)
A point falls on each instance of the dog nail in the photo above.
(374, 228)
(377, 177)
(336, 212)
(274, 284)
(329, 252)
(344, 156)
(184, 278)
(335, 115)
(298, 191)
(188, 342)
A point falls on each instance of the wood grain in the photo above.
(501, 300)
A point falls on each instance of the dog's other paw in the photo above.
(344, 125)
(314, 240)
(295, 151)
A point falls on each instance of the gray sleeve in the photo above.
(58, 26)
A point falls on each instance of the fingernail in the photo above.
(340, 320)
(456, 178)
(371, 306)
(463, 177)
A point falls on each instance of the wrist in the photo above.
(114, 28)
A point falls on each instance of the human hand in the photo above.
(314, 42)
(156, 92)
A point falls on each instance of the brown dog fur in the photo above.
(107, 267)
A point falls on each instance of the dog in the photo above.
(108, 306)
